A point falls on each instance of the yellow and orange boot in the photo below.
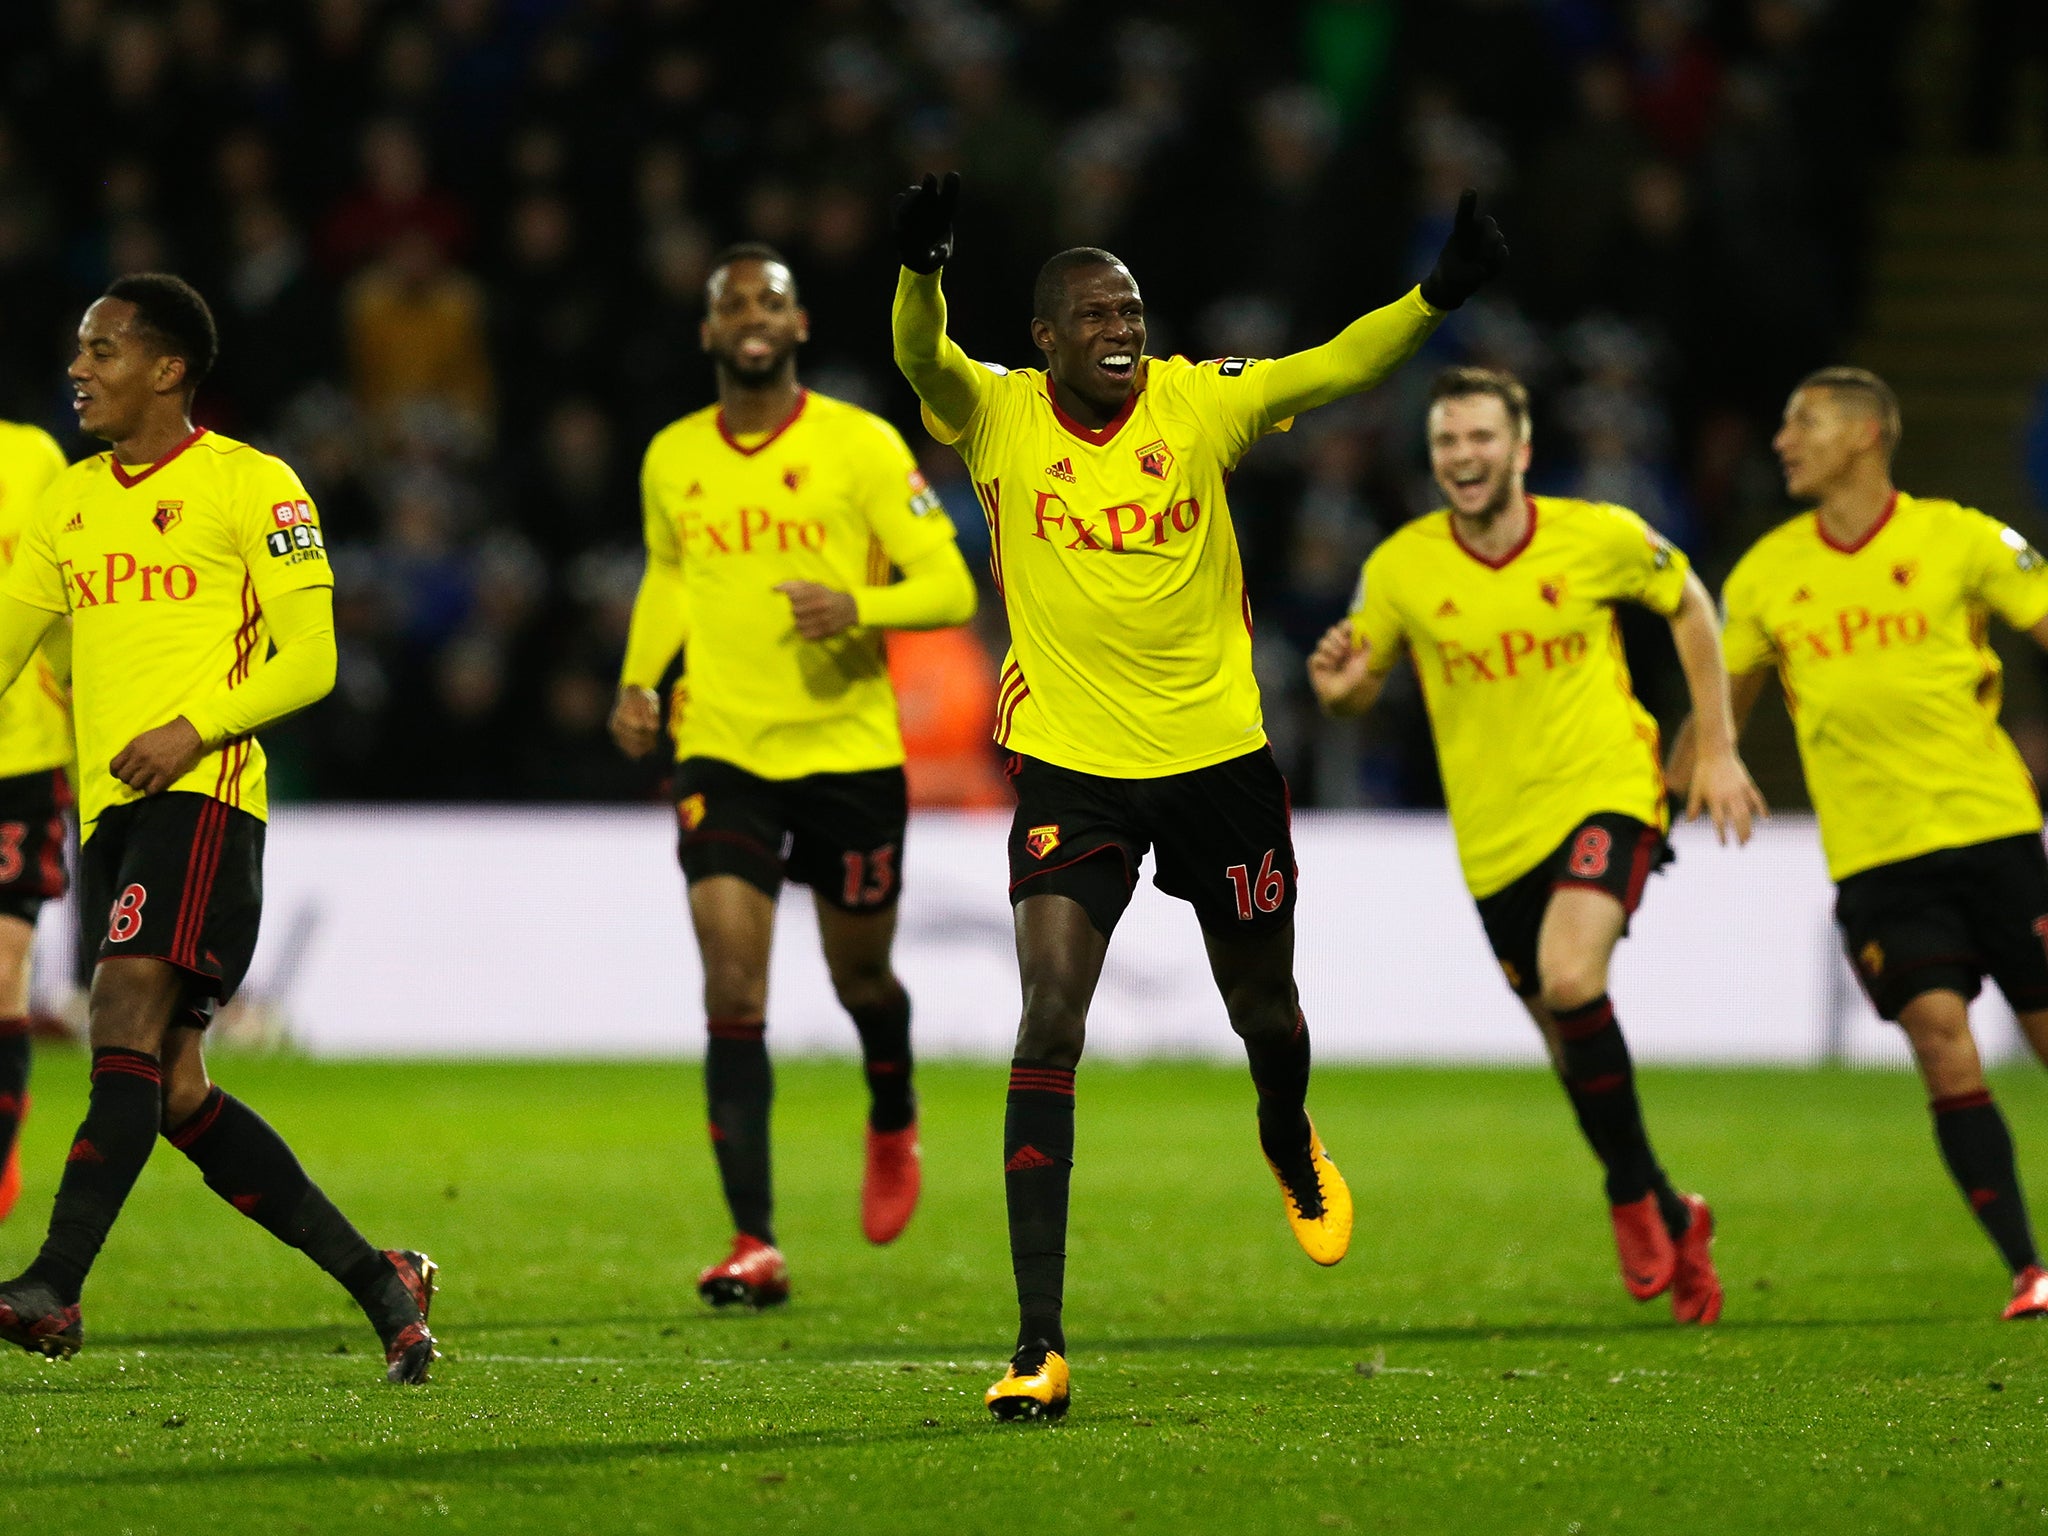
(1036, 1386)
(1319, 1210)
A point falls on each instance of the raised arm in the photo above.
(1373, 346)
(945, 378)
(1713, 776)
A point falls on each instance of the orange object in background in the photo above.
(945, 683)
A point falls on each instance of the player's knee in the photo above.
(185, 1092)
(1263, 1013)
(1053, 1028)
(865, 987)
(132, 1003)
(1571, 982)
(734, 992)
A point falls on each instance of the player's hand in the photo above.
(1723, 789)
(1338, 665)
(636, 721)
(1471, 258)
(820, 612)
(921, 218)
(157, 759)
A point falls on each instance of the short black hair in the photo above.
(1050, 291)
(1462, 383)
(1867, 390)
(173, 313)
(750, 250)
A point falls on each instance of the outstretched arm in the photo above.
(1714, 778)
(945, 378)
(1370, 348)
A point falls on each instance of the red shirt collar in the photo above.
(1096, 435)
(124, 479)
(803, 398)
(1821, 527)
(1528, 535)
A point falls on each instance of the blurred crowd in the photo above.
(457, 249)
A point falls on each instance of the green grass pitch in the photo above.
(1473, 1366)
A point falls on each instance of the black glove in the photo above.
(1472, 257)
(921, 217)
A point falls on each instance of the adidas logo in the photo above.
(245, 1203)
(696, 489)
(83, 1151)
(77, 523)
(1802, 596)
(1064, 470)
(1447, 610)
(1026, 1157)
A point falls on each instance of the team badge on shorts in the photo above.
(1041, 841)
(1871, 958)
(690, 811)
(1156, 459)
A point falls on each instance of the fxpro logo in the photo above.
(1850, 631)
(120, 577)
(750, 529)
(1520, 653)
(1128, 525)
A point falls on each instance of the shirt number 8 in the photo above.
(125, 921)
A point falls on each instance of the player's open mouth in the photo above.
(1118, 365)
(755, 349)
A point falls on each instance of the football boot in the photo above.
(1649, 1258)
(753, 1275)
(1036, 1386)
(890, 1183)
(2029, 1294)
(1318, 1202)
(1695, 1288)
(31, 1316)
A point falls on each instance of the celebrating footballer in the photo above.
(1551, 768)
(1127, 702)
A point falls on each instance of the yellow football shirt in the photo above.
(164, 570)
(35, 714)
(833, 496)
(1130, 632)
(1889, 674)
(1537, 726)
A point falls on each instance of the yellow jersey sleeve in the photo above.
(904, 512)
(1229, 397)
(2010, 577)
(1643, 566)
(1746, 644)
(1375, 622)
(278, 531)
(37, 576)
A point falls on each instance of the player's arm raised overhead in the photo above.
(945, 378)
(1374, 345)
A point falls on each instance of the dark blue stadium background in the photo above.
(457, 250)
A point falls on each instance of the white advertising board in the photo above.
(562, 932)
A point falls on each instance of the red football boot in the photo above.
(10, 1171)
(32, 1317)
(2029, 1294)
(1648, 1256)
(1695, 1288)
(889, 1187)
(753, 1275)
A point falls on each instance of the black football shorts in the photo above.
(1606, 852)
(32, 835)
(1945, 920)
(1221, 838)
(176, 877)
(839, 833)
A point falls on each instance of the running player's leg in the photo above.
(735, 926)
(1975, 1143)
(846, 844)
(856, 946)
(17, 938)
(245, 1162)
(131, 1006)
(1581, 926)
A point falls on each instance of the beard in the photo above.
(755, 375)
